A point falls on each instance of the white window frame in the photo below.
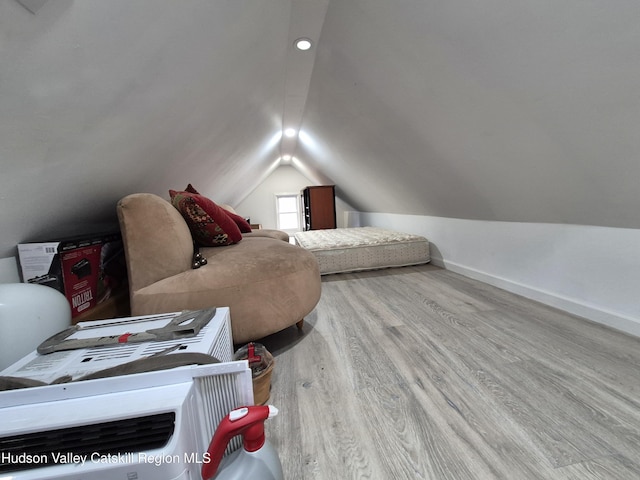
(296, 197)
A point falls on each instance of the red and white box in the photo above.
(85, 269)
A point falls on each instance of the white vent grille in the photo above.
(223, 350)
(117, 437)
(217, 392)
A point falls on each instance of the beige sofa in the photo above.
(267, 283)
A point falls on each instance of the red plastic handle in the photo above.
(248, 421)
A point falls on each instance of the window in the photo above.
(287, 211)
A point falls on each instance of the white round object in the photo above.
(29, 314)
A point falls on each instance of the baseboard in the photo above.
(590, 312)
(437, 261)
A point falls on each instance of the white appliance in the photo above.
(154, 425)
(23, 306)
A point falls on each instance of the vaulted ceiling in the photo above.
(495, 110)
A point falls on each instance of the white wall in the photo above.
(9, 270)
(260, 205)
(593, 272)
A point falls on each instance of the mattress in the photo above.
(356, 249)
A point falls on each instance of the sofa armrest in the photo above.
(156, 239)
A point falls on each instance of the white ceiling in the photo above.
(495, 110)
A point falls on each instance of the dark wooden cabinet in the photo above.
(319, 207)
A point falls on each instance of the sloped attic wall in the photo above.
(500, 110)
(104, 98)
(509, 130)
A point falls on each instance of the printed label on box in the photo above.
(80, 269)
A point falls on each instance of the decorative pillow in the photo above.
(242, 224)
(190, 189)
(209, 224)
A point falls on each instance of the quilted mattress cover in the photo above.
(341, 250)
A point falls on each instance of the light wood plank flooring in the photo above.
(420, 373)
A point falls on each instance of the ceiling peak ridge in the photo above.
(305, 21)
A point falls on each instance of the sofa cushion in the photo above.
(268, 232)
(209, 223)
(243, 225)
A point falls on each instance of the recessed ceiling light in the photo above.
(290, 132)
(303, 44)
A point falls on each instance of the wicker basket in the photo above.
(262, 382)
(261, 364)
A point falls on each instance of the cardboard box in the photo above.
(85, 269)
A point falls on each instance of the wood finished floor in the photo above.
(420, 373)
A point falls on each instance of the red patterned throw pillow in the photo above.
(209, 223)
(243, 225)
(190, 189)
